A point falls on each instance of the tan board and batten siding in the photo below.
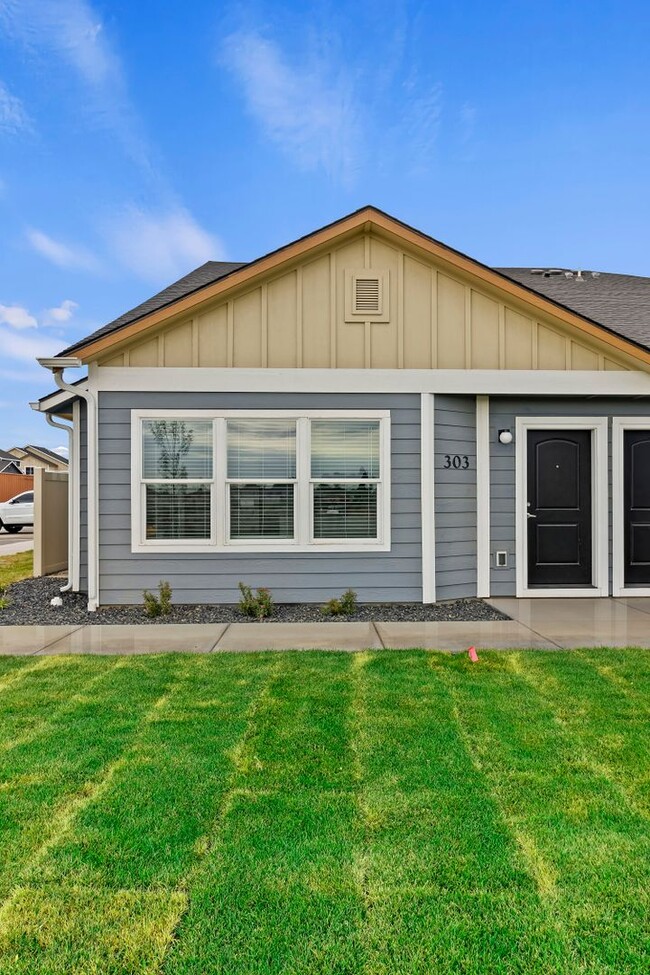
(295, 318)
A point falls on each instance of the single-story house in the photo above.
(365, 407)
(31, 456)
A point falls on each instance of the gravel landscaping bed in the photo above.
(29, 602)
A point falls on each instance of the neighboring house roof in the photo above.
(213, 273)
(620, 302)
(208, 273)
(6, 456)
(9, 467)
(43, 452)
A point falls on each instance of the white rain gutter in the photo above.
(71, 511)
(57, 366)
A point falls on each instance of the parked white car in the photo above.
(18, 512)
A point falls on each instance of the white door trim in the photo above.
(482, 496)
(427, 498)
(599, 494)
(619, 425)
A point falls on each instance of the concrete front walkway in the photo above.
(544, 624)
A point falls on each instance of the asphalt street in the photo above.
(10, 542)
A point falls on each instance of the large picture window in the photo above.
(274, 480)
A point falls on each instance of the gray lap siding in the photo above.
(300, 577)
(455, 496)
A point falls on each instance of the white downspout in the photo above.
(57, 365)
(71, 511)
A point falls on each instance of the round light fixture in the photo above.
(505, 436)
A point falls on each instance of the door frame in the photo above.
(599, 498)
(619, 425)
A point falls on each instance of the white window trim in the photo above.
(599, 510)
(219, 542)
(619, 425)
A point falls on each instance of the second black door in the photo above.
(559, 508)
(637, 507)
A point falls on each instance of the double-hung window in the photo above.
(281, 480)
(177, 479)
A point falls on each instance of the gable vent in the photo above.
(367, 295)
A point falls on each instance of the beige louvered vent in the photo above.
(367, 295)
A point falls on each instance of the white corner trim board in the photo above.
(482, 496)
(619, 425)
(466, 381)
(599, 514)
(427, 488)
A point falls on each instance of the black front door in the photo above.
(559, 508)
(636, 479)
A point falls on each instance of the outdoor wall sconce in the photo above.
(505, 436)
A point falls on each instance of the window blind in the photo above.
(259, 449)
(345, 449)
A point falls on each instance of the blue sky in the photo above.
(139, 139)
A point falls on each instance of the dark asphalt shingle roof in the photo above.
(620, 302)
(208, 273)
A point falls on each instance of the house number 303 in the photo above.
(459, 462)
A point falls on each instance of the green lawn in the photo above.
(391, 813)
(13, 568)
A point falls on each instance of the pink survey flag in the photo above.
(473, 656)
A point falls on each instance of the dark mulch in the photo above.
(29, 602)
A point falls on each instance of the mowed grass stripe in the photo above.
(45, 777)
(445, 888)
(599, 716)
(578, 826)
(277, 891)
(628, 670)
(151, 823)
(31, 704)
(10, 665)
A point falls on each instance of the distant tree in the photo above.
(174, 441)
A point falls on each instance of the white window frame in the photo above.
(599, 504)
(303, 514)
(619, 425)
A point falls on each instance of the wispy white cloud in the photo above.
(26, 348)
(63, 451)
(17, 317)
(13, 117)
(160, 246)
(308, 109)
(61, 313)
(63, 255)
(73, 31)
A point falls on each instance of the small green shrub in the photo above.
(160, 605)
(259, 605)
(344, 605)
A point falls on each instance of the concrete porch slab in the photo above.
(572, 623)
(25, 640)
(249, 637)
(505, 634)
(118, 639)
